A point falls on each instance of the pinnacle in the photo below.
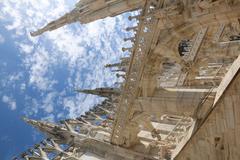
(29, 121)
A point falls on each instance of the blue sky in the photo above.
(38, 75)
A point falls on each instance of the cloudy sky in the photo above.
(38, 75)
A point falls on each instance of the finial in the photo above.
(133, 17)
(113, 65)
(126, 49)
(29, 121)
(129, 39)
(131, 28)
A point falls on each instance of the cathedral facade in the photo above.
(179, 99)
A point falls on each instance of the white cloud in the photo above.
(15, 77)
(82, 49)
(23, 87)
(73, 108)
(2, 39)
(48, 102)
(10, 102)
(26, 48)
(39, 64)
(32, 106)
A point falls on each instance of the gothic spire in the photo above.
(59, 133)
(87, 11)
(43, 126)
(62, 21)
(102, 92)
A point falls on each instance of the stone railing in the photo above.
(145, 39)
